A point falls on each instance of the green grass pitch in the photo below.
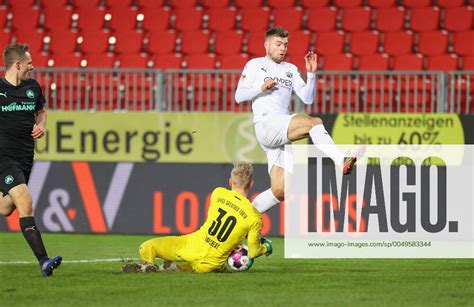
(272, 281)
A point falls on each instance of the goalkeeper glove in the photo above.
(268, 244)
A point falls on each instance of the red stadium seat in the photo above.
(57, 18)
(255, 44)
(364, 43)
(248, 4)
(373, 62)
(25, 18)
(123, 20)
(91, 19)
(408, 62)
(288, 18)
(5, 38)
(187, 19)
(31, 4)
(100, 60)
(356, 19)
(322, 19)
(132, 61)
(67, 60)
(167, 61)
(329, 43)
(215, 3)
(58, 4)
(458, 19)
(432, 43)
(382, 3)
(183, 4)
(200, 61)
(444, 62)
(161, 42)
(95, 42)
(450, 3)
(337, 62)
(221, 19)
(347, 3)
(194, 42)
(468, 63)
(463, 43)
(314, 3)
(424, 19)
(398, 43)
(128, 41)
(32, 38)
(151, 4)
(254, 20)
(389, 19)
(227, 43)
(120, 4)
(281, 4)
(237, 61)
(93, 4)
(298, 60)
(416, 3)
(3, 17)
(299, 43)
(39, 60)
(156, 19)
(63, 42)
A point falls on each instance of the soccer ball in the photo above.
(239, 259)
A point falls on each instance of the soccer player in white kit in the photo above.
(269, 83)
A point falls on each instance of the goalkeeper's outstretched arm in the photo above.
(257, 246)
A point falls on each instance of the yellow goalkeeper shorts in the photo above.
(177, 249)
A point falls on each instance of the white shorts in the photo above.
(272, 134)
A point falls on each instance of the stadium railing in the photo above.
(460, 92)
(213, 90)
(202, 90)
(102, 89)
(379, 91)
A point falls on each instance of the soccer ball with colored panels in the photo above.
(239, 259)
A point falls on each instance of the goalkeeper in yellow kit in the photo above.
(231, 218)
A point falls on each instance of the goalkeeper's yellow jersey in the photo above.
(231, 217)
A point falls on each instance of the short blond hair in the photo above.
(13, 53)
(242, 173)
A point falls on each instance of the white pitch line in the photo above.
(76, 261)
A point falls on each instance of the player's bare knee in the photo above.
(306, 120)
(316, 121)
(310, 122)
(25, 207)
(6, 206)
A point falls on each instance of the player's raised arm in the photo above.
(247, 89)
(306, 91)
(311, 62)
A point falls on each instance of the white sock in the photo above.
(320, 136)
(265, 201)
